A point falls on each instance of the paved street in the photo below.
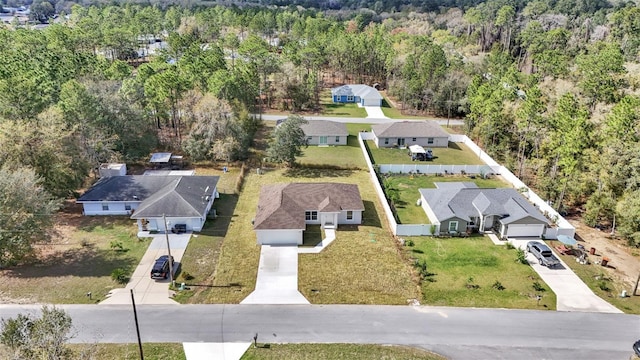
(363, 120)
(459, 333)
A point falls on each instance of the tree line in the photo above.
(549, 91)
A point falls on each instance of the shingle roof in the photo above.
(283, 206)
(417, 129)
(361, 90)
(172, 196)
(324, 128)
(465, 202)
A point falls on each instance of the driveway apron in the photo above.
(572, 294)
(375, 112)
(145, 289)
(277, 281)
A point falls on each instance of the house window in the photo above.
(309, 138)
(350, 98)
(386, 141)
(414, 139)
(311, 215)
(429, 140)
(453, 226)
(349, 215)
(337, 138)
(105, 207)
(127, 207)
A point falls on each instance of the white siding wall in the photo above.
(331, 140)
(279, 237)
(115, 208)
(441, 142)
(357, 218)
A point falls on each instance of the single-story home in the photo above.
(284, 210)
(407, 133)
(364, 95)
(184, 200)
(463, 207)
(324, 132)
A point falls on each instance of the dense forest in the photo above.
(550, 88)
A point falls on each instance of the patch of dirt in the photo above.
(624, 261)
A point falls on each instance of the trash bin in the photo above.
(605, 261)
(592, 251)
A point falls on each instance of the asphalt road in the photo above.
(363, 120)
(459, 333)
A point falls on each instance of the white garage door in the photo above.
(522, 230)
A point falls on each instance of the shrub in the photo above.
(471, 285)
(120, 276)
(521, 257)
(240, 180)
(509, 246)
(116, 245)
(186, 276)
(538, 287)
(498, 285)
(409, 242)
(603, 286)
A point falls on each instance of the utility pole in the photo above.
(135, 317)
(166, 235)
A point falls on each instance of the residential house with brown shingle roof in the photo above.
(284, 210)
(407, 133)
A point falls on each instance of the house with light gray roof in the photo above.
(183, 200)
(427, 134)
(363, 95)
(324, 132)
(463, 207)
(284, 210)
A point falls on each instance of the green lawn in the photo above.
(201, 256)
(361, 267)
(151, 351)
(336, 351)
(602, 284)
(395, 113)
(329, 108)
(465, 270)
(407, 186)
(455, 154)
(80, 260)
(348, 157)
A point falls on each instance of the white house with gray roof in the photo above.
(324, 132)
(183, 200)
(406, 133)
(363, 95)
(463, 207)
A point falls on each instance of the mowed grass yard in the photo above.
(363, 265)
(337, 351)
(80, 259)
(329, 108)
(348, 156)
(407, 209)
(455, 154)
(465, 272)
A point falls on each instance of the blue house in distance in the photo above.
(363, 95)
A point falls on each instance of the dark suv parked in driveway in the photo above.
(161, 267)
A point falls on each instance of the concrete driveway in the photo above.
(145, 289)
(572, 294)
(277, 281)
(375, 112)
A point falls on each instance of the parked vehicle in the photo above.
(543, 254)
(160, 269)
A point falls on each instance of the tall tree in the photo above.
(287, 141)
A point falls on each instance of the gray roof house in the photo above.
(406, 133)
(182, 199)
(324, 132)
(361, 94)
(284, 210)
(463, 207)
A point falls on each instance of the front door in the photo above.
(323, 140)
(400, 141)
